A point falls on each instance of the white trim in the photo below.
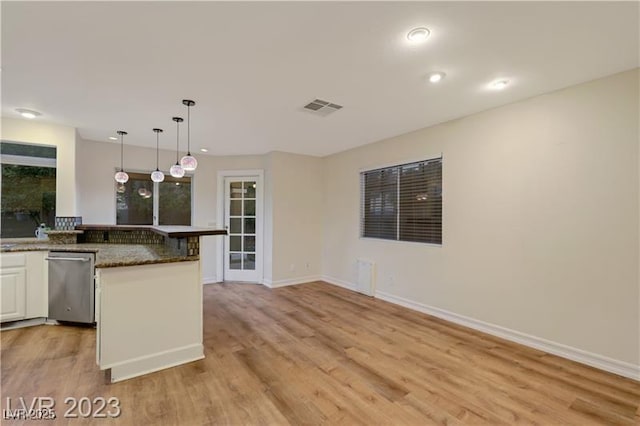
(24, 160)
(400, 163)
(291, 281)
(155, 216)
(220, 203)
(10, 325)
(193, 183)
(584, 357)
(210, 280)
(385, 240)
(150, 363)
(339, 283)
(220, 220)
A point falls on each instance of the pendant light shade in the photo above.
(121, 176)
(188, 162)
(157, 175)
(176, 170)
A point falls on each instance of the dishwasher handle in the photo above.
(75, 259)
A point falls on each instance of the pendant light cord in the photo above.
(177, 140)
(157, 150)
(121, 152)
(189, 130)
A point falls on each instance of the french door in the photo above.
(243, 221)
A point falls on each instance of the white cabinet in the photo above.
(23, 285)
(13, 287)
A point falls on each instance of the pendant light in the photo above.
(176, 170)
(188, 162)
(121, 176)
(157, 176)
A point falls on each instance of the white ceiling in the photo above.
(250, 67)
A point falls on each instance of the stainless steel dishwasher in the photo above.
(71, 286)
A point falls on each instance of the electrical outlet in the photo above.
(307, 265)
(292, 267)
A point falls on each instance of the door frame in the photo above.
(220, 201)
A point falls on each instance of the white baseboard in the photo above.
(210, 280)
(338, 282)
(159, 361)
(584, 357)
(291, 281)
(589, 358)
(10, 325)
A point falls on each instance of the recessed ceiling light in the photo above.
(435, 77)
(28, 113)
(113, 138)
(498, 84)
(418, 35)
(204, 150)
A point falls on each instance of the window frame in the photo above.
(395, 164)
(33, 161)
(156, 199)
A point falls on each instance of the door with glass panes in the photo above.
(243, 249)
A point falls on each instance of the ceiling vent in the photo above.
(321, 108)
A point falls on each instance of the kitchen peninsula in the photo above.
(148, 304)
(148, 293)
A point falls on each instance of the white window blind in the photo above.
(403, 202)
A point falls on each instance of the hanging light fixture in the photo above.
(121, 176)
(188, 162)
(176, 170)
(157, 176)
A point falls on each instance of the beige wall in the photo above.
(540, 222)
(296, 213)
(64, 139)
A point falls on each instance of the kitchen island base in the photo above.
(149, 317)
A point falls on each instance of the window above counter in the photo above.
(141, 201)
(28, 188)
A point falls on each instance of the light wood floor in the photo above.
(319, 354)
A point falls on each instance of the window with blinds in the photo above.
(403, 202)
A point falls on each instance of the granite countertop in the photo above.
(107, 255)
(64, 232)
(175, 231)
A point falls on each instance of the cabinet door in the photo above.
(12, 294)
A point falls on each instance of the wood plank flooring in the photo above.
(318, 354)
